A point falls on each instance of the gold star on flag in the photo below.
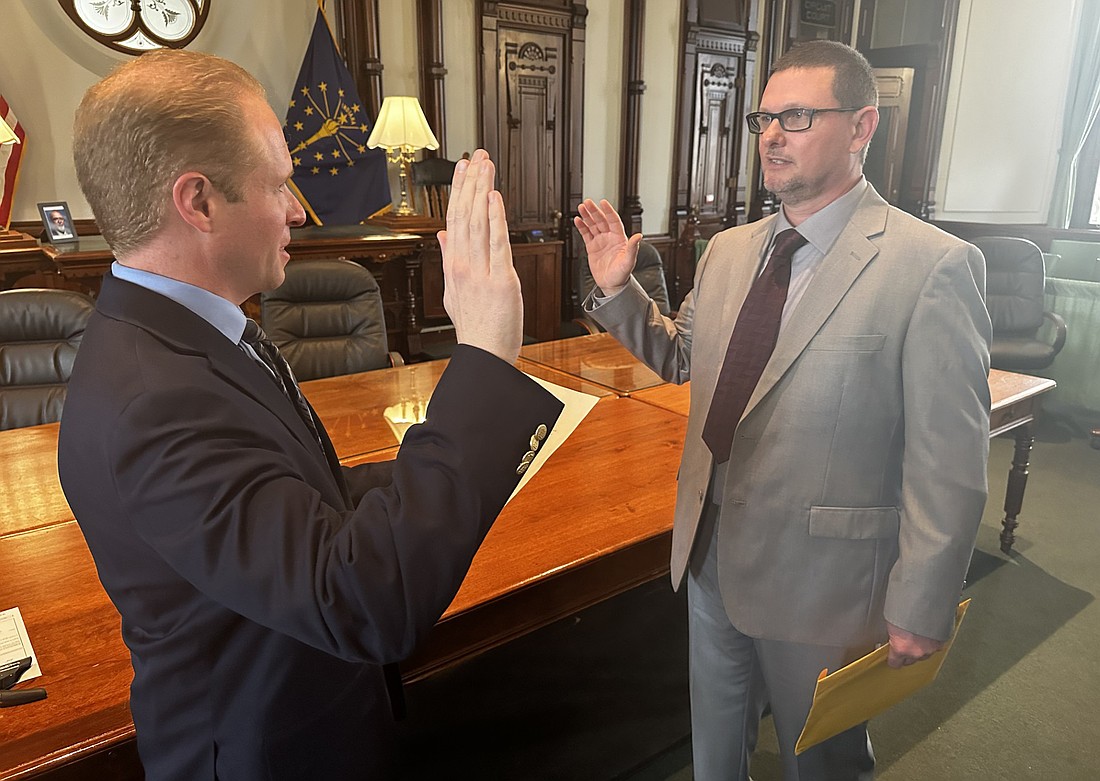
(362, 149)
(334, 170)
(305, 90)
(297, 161)
(351, 164)
(323, 86)
(340, 93)
(309, 111)
(292, 102)
(363, 128)
(298, 126)
(355, 108)
(315, 170)
(319, 156)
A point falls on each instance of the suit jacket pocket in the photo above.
(855, 523)
(849, 343)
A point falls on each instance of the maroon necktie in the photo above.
(751, 345)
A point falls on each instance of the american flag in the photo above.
(10, 154)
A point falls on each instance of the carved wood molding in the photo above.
(630, 202)
(533, 17)
(432, 70)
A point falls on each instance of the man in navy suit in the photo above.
(262, 586)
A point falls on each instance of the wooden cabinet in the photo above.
(408, 268)
(539, 269)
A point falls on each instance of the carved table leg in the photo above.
(1017, 482)
(412, 323)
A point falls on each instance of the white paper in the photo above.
(15, 644)
(577, 407)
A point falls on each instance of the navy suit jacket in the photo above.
(261, 585)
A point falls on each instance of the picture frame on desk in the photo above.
(58, 222)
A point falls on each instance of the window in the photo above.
(135, 26)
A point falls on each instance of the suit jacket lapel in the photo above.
(839, 270)
(187, 333)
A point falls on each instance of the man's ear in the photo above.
(194, 198)
(865, 125)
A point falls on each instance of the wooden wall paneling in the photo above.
(630, 202)
(361, 45)
(574, 170)
(931, 64)
(680, 273)
(531, 115)
(429, 20)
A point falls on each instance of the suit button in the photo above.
(528, 457)
(523, 467)
(540, 432)
(535, 442)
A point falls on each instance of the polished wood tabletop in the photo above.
(598, 358)
(371, 410)
(595, 521)
(30, 492)
(601, 510)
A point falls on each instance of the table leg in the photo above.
(1017, 482)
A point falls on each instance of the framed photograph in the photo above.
(58, 222)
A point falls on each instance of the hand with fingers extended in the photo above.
(611, 255)
(481, 289)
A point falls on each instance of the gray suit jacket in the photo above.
(857, 475)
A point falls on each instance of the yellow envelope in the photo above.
(865, 688)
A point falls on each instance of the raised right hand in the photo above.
(611, 255)
(481, 289)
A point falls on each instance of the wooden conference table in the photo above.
(594, 522)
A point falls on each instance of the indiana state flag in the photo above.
(338, 180)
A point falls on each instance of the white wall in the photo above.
(660, 69)
(46, 64)
(1004, 110)
(603, 56)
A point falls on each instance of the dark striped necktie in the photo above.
(751, 345)
(281, 374)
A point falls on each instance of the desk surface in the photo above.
(619, 461)
(596, 358)
(601, 509)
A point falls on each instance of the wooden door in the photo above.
(530, 126)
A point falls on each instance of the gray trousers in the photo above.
(733, 676)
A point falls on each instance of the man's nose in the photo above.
(772, 133)
(295, 214)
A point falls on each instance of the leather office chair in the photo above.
(327, 319)
(650, 273)
(1015, 282)
(40, 331)
(431, 179)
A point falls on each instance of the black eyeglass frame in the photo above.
(757, 116)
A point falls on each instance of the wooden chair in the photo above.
(431, 180)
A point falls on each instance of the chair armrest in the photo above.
(1060, 330)
(588, 325)
(395, 358)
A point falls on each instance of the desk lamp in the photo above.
(402, 129)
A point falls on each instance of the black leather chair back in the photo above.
(649, 271)
(40, 331)
(327, 319)
(431, 179)
(1015, 283)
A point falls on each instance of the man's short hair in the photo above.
(167, 112)
(853, 79)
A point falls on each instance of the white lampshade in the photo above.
(401, 123)
(8, 137)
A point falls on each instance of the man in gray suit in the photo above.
(830, 495)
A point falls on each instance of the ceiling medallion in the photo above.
(136, 26)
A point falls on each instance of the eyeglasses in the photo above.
(793, 120)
